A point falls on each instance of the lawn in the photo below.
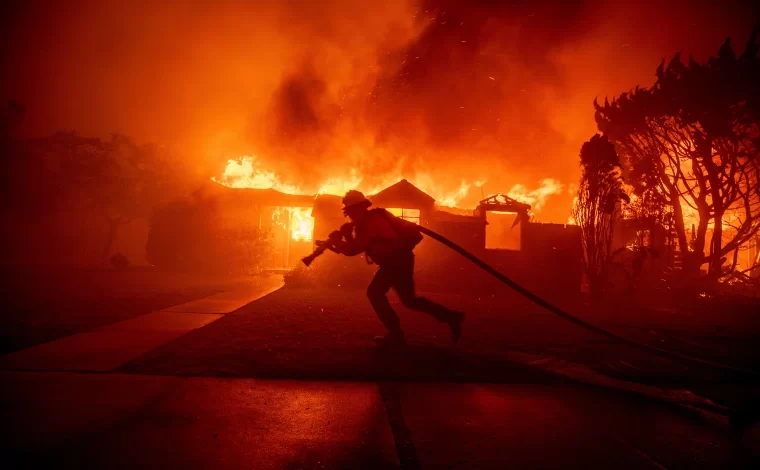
(327, 333)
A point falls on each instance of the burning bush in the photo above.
(194, 235)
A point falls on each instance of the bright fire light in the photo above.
(537, 197)
(247, 172)
(297, 220)
(301, 224)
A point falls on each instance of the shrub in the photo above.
(194, 235)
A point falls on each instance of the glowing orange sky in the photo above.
(475, 93)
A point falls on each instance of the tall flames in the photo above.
(536, 197)
(248, 172)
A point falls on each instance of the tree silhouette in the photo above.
(130, 180)
(67, 179)
(597, 208)
(691, 140)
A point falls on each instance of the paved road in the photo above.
(63, 420)
(68, 420)
(155, 418)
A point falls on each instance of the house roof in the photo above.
(251, 196)
(503, 203)
(403, 194)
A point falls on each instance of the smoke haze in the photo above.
(455, 92)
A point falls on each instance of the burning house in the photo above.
(285, 218)
(498, 231)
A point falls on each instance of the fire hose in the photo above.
(332, 242)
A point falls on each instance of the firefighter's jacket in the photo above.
(376, 236)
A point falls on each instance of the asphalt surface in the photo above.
(293, 381)
(66, 420)
(61, 420)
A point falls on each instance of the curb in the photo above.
(704, 407)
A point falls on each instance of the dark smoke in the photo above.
(301, 108)
(468, 91)
(495, 90)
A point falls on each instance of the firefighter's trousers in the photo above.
(398, 273)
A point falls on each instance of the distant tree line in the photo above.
(67, 198)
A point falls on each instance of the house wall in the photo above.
(548, 262)
(469, 235)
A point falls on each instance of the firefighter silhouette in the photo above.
(389, 241)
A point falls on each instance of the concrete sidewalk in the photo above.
(66, 420)
(110, 347)
(227, 302)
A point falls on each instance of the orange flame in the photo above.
(298, 219)
(537, 197)
(301, 224)
(246, 172)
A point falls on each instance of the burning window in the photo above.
(412, 215)
(296, 220)
(301, 224)
(501, 231)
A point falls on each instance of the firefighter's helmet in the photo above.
(355, 198)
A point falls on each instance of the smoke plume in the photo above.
(447, 93)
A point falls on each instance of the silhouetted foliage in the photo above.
(597, 208)
(691, 141)
(68, 195)
(193, 234)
